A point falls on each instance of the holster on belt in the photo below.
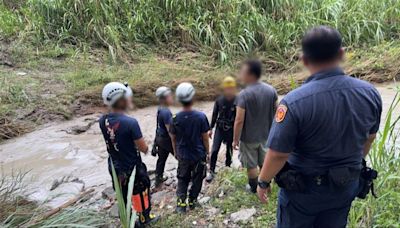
(367, 177)
(290, 179)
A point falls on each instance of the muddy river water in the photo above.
(51, 153)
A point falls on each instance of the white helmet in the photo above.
(185, 92)
(113, 91)
(162, 91)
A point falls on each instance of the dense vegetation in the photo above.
(223, 28)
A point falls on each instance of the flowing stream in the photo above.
(51, 153)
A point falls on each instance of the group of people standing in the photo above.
(312, 142)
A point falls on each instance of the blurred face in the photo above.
(122, 104)
(229, 92)
(315, 67)
(169, 100)
(244, 77)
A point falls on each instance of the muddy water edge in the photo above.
(63, 158)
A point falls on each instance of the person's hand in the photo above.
(235, 144)
(210, 134)
(263, 194)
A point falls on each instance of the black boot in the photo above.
(210, 177)
(160, 180)
(145, 218)
(181, 206)
(193, 204)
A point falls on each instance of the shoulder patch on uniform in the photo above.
(280, 113)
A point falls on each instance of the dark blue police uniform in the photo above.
(324, 125)
(188, 128)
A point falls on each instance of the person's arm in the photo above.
(206, 142)
(205, 128)
(214, 114)
(172, 132)
(273, 163)
(281, 142)
(375, 128)
(238, 126)
(368, 143)
(167, 120)
(137, 137)
(142, 145)
(173, 141)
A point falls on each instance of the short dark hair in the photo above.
(254, 67)
(117, 104)
(321, 44)
(187, 103)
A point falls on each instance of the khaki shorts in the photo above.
(252, 154)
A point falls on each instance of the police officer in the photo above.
(322, 130)
(162, 143)
(189, 134)
(223, 117)
(124, 140)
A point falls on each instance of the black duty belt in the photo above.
(291, 179)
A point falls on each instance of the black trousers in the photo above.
(221, 136)
(190, 171)
(142, 180)
(164, 149)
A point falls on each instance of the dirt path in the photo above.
(54, 157)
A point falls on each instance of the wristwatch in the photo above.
(264, 184)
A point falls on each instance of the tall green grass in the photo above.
(385, 158)
(127, 215)
(223, 28)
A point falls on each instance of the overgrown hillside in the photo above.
(222, 29)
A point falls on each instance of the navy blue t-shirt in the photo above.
(188, 127)
(164, 117)
(120, 132)
(326, 122)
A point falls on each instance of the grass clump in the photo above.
(127, 215)
(17, 211)
(384, 157)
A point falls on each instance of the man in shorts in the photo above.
(256, 105)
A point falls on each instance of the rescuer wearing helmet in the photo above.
(124, 142)
(189, 134)
(223, 118)
(162, 143)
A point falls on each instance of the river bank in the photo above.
(73, 149)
